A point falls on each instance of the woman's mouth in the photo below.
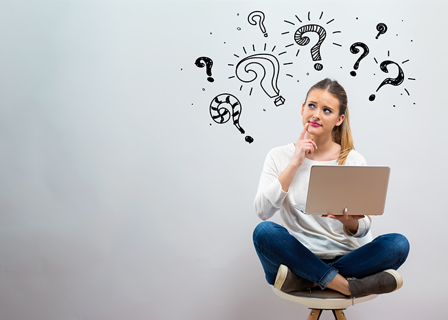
(314, 124)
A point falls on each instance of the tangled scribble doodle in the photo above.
(268, 66)
(354, 49)
(303, 41)
(382, 28)
(392, 81)
(252, 18)
(202, 62)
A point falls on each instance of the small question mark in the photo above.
(220, 111)
(303, 41)
(382, 28)
(392, 81)
(260, 16)
(208, 63)
(354, 49)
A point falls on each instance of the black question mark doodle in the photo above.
(303, 41)
(270, 69)
(382, 28)
(220, 113)
(354, 49)
(208, 63)
(392, 81)
(260, 16)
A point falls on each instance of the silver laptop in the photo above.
(360, 189)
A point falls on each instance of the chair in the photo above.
(319, 300)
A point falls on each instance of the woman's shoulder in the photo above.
(354, 158)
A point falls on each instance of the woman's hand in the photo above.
(303, 147)
(350, 222)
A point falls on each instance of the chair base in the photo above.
(315, 314)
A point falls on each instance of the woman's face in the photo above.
(321, 112)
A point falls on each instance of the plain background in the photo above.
(122, 199)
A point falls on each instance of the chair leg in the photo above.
(314, 314)
(339, 314)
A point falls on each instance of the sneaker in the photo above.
(287, 281)
(383, 282)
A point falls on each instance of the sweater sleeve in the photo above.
(270, 195)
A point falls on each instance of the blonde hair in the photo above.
(341, 134)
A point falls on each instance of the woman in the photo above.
(320, 251)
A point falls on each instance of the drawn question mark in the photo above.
(269, 67)
(382, 28)
(303, 41)
(354, 49)
(225, 106)
(260, 22)
(202, 62)
(392, 81)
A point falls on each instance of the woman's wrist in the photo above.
(352, 226)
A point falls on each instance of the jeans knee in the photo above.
(399, 244)
(262, 230)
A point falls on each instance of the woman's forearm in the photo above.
(287, 175)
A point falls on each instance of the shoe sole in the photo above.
(397, 277)
(281, 277)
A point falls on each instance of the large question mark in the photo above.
(220, 111)
(382, 28)
(392, 81)
(253, 21)
(354, 49)
(303, 41)
(269, 66)
(202, 62)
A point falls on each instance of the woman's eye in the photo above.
(311, 105)
(327, 111)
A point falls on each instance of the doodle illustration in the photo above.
(392, 81)
(226, 106)
(382, 28)
(354, 49)
(252, 18)
(268, 65)
(303, 41)
(202, 62)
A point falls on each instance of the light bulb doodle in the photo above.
(202, 62)
(392, 81)
(303, 41)
(225, 106)
(382, 28)
(252, 18)
(354, 49)
(269, 66)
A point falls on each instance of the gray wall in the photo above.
(122, 199)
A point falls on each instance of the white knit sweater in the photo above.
(325, 237)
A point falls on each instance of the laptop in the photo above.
(360, 189)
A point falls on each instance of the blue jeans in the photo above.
(275, 246)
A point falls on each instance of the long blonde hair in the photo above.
(341, 134)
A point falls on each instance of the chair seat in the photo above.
(322, 299)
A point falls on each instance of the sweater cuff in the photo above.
(275, 194)
(361, 230)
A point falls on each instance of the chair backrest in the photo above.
(366, 239)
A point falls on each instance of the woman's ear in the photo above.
(301, 111)
(340, 120)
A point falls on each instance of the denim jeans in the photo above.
(275, 246)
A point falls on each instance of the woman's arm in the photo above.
(274, 185)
